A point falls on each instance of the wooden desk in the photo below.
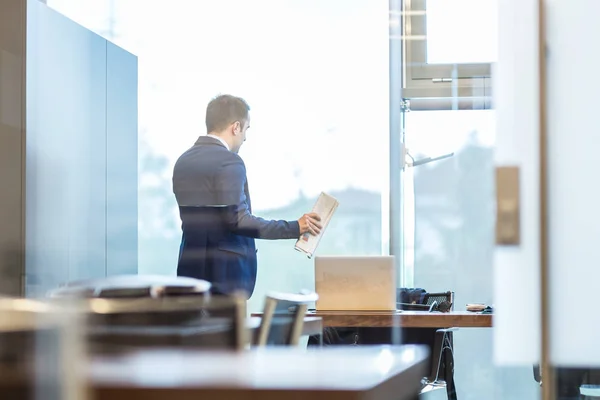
(404, 319)
(270, 373)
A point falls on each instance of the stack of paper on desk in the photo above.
(324, 207)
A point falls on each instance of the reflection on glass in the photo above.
(462, 31)
(453, 199)
(450, 234)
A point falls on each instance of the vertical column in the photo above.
(12, 138)
(516, 268)
(396, 137)
(573, 145)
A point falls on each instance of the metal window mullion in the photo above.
(396, 138)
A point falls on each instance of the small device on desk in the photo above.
(355, 283)
(475, 307)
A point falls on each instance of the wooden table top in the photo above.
(404, 319)
(349, 372)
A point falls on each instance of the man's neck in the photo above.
(220, 139)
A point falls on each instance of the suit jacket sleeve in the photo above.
(230, 190)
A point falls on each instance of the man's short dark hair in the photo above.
(224, 110)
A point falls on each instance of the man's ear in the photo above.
(237, 127)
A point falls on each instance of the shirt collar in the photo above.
(220, 140)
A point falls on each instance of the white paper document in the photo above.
(324, 207)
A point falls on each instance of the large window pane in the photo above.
(453, 202)
(316, 77)
(449, 231)
(462, 31)
(453, 218)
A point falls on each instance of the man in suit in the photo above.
(218, 242)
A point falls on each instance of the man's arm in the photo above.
(230, 191)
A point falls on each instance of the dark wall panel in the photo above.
(66, 150)
(81, 162)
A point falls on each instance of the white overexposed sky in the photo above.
(450, 31)
(314, 72)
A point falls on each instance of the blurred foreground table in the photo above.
(349, 372)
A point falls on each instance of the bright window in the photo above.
(315, 74)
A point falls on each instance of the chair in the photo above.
(443, 302)
(283, 318)
(442, 354)
(442, 359)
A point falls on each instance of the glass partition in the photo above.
(452, 131)
(317, 77)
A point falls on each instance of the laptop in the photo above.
(355, 283)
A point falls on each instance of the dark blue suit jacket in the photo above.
(218, 242)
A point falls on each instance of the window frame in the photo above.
(468, 85)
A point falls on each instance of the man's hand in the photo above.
(310, 223)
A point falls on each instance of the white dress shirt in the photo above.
(220, 140)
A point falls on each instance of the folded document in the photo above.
(324, 207)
